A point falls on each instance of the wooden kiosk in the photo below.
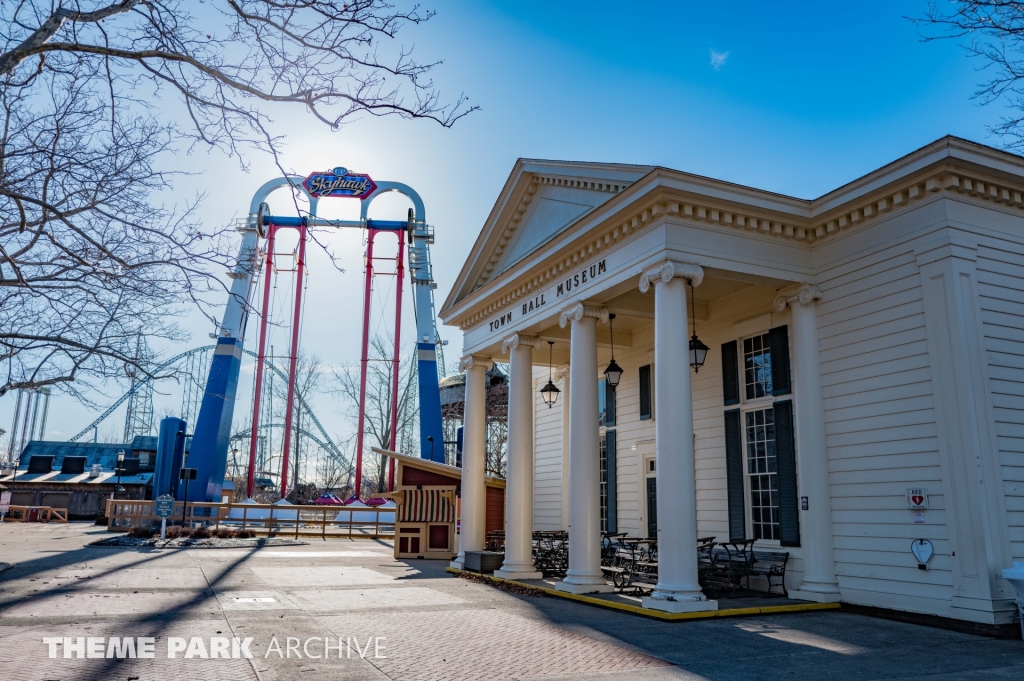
(427, 493)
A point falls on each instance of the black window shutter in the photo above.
(652, 508)
(785, 460)
(645, 392)
(734, 475)
(609, 405)
(779, 338)
(730, 374)
(613, 521)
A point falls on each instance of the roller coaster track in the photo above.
(326, 443)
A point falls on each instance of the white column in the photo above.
(519, 477)
(678, 589)
(562, 375)
(819, 580)
(474, 442)
(584, 574)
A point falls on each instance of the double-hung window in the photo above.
(762, 472)
(759, 442)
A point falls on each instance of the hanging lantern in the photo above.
(550, 391)
(698, 351)
(613, 373)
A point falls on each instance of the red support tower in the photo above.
(364, 355)
(262, 357)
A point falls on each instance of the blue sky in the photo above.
(796, 99)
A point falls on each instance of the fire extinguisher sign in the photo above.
(917, 498)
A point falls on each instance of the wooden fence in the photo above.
(262, 519)
(44, 514)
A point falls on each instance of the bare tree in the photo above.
(453, 396)
(993, 31)
(377, 424)
(496, 455)
(94, 96)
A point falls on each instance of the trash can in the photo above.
(33, 514)
(1015, 576)
(483, 561)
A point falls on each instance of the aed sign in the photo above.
(339, 182)
(917, 498)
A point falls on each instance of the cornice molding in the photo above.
(809, 230)
(578, 311)
(664, 272)
(517, 339)
(801, 294)
(475, 361)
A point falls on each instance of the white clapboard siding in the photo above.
(880, 431)
(547, 491)
(1000, 284)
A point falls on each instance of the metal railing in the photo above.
(261, 519)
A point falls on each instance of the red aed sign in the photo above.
(339, 182)
(917, 498)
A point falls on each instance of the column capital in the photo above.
(666, 271)
(473, 361)
(797, 293)
(562, 373)
(517, 339)
(579, 311)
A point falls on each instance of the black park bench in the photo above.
(772, 566)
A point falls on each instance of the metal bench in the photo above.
(770, 564)
(731, 564)
(634, 566)
(551, 553)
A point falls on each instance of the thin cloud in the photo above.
(718, 59)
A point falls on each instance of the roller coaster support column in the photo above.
(261, 358)
(363, 361)
(212, 430)
(399, 275)
(293, 360)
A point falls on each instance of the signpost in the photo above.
(187, 474)
(164, 509)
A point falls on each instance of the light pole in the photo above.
(120, 466)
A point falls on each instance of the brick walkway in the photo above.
(485, 644)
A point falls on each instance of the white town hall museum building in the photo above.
(863, 386)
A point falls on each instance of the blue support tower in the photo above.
(209, 451)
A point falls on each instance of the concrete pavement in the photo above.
(404, 620)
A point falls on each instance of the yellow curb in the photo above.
(657, 614)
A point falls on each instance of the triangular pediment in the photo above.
(540, 201)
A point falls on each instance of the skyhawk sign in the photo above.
(339, 182)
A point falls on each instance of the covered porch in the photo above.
(675, 421)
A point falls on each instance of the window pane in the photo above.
(757, 366)
(603, 457)
(761, 473)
